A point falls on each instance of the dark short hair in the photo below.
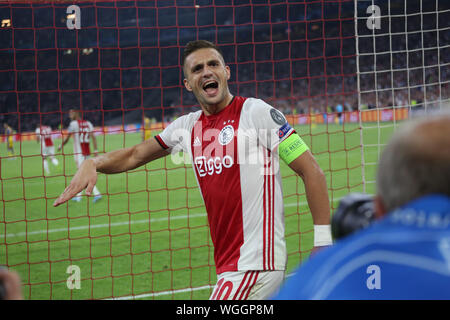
(193, 46)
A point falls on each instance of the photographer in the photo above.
(405, 254)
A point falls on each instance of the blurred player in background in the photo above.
(9, 139)
(146, 129)
(243, 196)
(82, 132)
(406, 253)
(44, 136)
(339, 114)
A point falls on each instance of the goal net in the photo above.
(403, 57)
(343, 76)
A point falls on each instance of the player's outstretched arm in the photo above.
(112, 162)
(85, 178)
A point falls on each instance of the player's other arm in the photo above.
(313, 177)
(298, 157)
(295, 153)
(112, 162)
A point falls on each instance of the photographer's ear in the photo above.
(380, 210)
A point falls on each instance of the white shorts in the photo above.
(247, 285)
(48, 151)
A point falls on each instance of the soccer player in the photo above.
(146, 129)
(82, 132)
(44, 136)
(235, 144)
(339, 113)
(406, 253)
(9, 135)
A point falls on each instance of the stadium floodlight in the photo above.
(6, 23)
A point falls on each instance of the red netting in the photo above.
(148, 235)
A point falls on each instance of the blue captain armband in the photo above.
(291, 148)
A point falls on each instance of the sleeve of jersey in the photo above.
(274, 132)
(173, 136)
(270, 124)
(72, 127)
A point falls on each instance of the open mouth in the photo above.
(211, 87)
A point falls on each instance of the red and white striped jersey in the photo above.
(81, 130)
(236, 164)
(45, 135)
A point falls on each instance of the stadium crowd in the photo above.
(298, 67)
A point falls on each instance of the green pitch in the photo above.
(148, 236)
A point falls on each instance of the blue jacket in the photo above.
(406, 255)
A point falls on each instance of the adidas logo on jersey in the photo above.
(197, 142)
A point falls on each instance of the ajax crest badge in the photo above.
(226, 135)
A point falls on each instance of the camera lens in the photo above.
(355, 211)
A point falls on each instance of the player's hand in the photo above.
(85, 178)
(59, 148)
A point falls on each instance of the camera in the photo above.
(355, 212)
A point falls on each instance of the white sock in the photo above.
(46, 166)
(95, 191)
(55, 161)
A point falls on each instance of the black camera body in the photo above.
(355, 212)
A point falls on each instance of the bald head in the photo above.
(416, 162)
